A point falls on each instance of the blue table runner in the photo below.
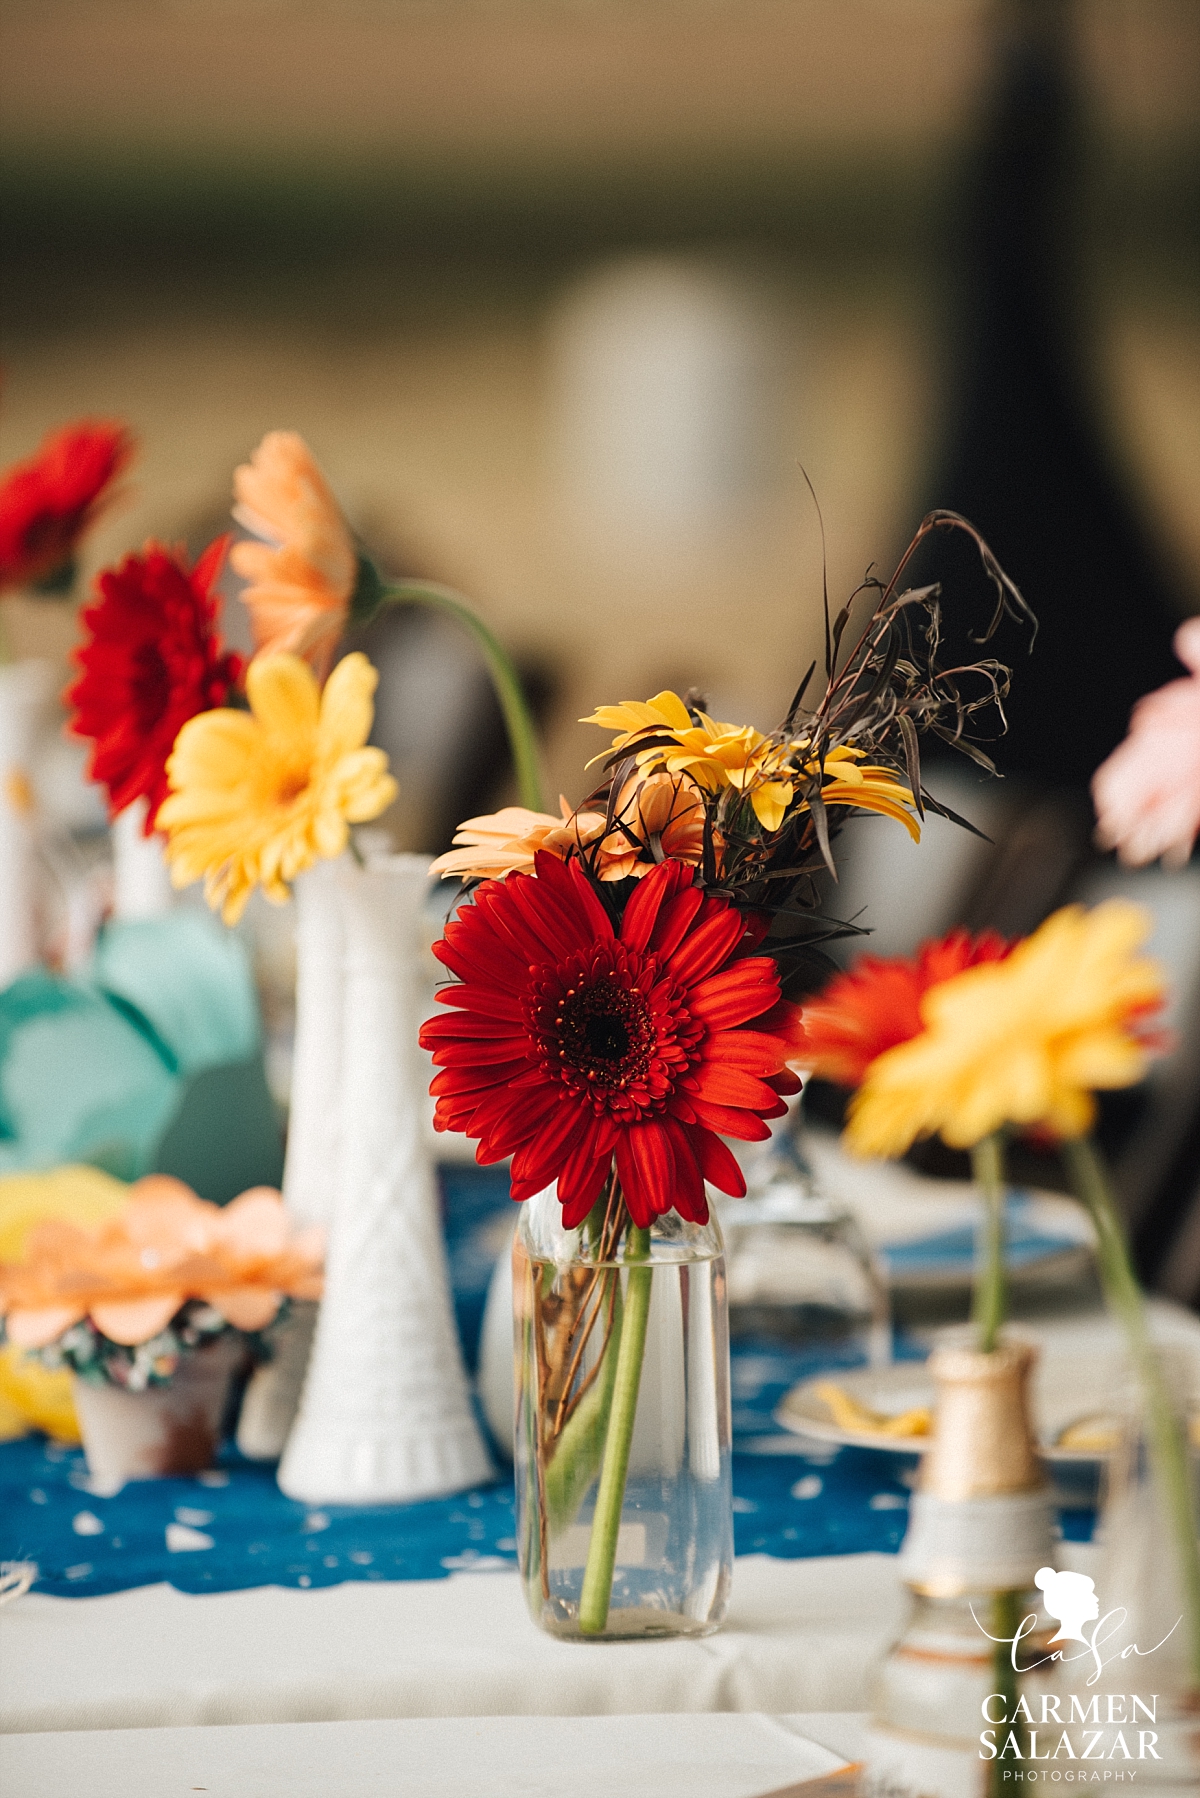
(232, 1528)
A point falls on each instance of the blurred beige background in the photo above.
(439, 239)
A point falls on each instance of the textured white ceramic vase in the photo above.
(141, 879)
(24, 688)
(310, 1172)
(386, 1413)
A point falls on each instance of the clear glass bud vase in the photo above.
(624, 1500)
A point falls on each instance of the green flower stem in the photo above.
(1168, 1442)
(518, 719)
(1005, 1621)
(602, 1546)
(991, 1295)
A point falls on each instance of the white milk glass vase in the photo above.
(622, 1451)
(310, 1171)
(386, 1413)
(24, 687)
(141, 879)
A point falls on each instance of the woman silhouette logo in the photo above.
(1070, 1599)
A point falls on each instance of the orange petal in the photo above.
(130, 1321)
(245, 1307)
(32, 1328)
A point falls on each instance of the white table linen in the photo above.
(727, 1756)
(800, 1635)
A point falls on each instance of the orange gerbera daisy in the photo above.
(302, 576)
(656, 819)
(877, 1004)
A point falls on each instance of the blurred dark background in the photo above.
(564, 292)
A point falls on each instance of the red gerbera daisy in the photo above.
(573, 1044)
(153, 661)
(877, 1004)
(47, 502)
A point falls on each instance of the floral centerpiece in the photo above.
(166, 1297)
(974, 1040)
(265, 798)
(620, 1005)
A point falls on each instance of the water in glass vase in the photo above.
(624, 1502)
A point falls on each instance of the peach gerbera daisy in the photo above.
(256, 797)
(302, 576)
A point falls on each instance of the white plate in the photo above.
(1066, 1389)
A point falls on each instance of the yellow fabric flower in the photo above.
(715, 755)
(302, 576)
(256, 797)
(1023, 1041)
(869, 787)
(718, 755)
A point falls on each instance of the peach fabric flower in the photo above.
(1147, 794)
(133, 1272)
(302, 576)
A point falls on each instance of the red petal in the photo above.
(486, 999)
(208, 564)
(475, 1079)
(747, 1126)
(451, 1029)
(707, 946)
(646, 1168)
(690, 1201)
(548, 1149)
(674, 919)
(641, 911)
(719, 1165)
(568, 880)
(724, 1085)
(736, 994)
(748, 1050)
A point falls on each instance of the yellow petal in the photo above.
(347, 706)
(285, 699)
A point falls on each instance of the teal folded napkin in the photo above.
(151, 1062)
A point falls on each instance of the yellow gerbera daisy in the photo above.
(1023, 1041)
(256, 797)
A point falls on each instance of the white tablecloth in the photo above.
(491, 1757)
(800, 1635)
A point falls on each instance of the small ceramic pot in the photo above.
(171, 1429)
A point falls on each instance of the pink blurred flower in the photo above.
(1147, 794)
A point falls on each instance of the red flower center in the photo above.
(604, 1033)
(599, 1033)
